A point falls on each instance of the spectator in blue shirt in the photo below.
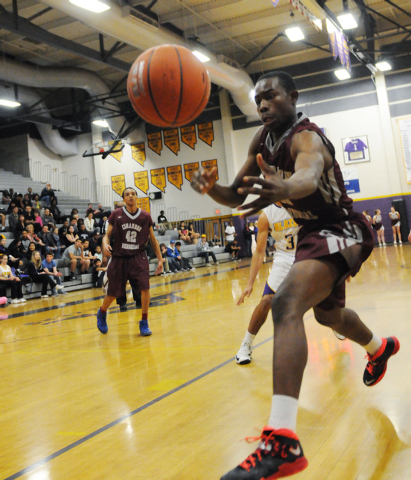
(50, 267)
(173, 257)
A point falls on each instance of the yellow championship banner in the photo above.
(138, 152)
(154, 142)
(175, 176)
(206, 132)
(144, 204)
(118, 183)
(158, 178)
(189, 169)
(117, 155)
(172, 140)
(209, 165)
(141, 181)
(188, 136)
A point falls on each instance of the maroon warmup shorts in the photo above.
(327, 241)
(121, 269)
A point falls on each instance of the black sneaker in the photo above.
(278, 455)
(123, 308)
(377, 364)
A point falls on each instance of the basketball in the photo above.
(168, 86)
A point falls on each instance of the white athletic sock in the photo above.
(283, 412)
(249, 338)
(375, 344)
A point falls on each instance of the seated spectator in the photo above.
(89, 222)
(30, 193)
(90, 209)
(3, 222)
(194, 236)
(44, 237)
(15, 253)
(173, 257)
(6, 198)
(11, 191)
(73, 257)
(83, 233)
(54, 243)
(71, 237)
(13, 219)
(103, 224)
(20, 227)
(183, 232)
(47, 195)
(99, 212)
(233, 249)
(87, 252)
(38, 275)
(25, 241)
(98, 253)
(26, 200)
(35, 202)
(73, 223)
(166, 265)
(74, 211)
(203, 250)
(63, 230)
(98, 274)
(3, 247)
(184, 262)
(38, 225)
(48, 219)
(29, 218)
(7, 279)
(162, 218)
(29, 253)
(56, 212)
(95, 241)
(50, 267)
(34, 238)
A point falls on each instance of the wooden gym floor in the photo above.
(78, 405)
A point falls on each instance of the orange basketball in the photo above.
(168, 86)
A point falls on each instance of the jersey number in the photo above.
(131, 236)
(290, 241)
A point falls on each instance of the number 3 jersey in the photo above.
(284, 230)
(130, 232)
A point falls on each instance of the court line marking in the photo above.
(112, 424)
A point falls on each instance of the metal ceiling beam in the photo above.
(398, 7)
(27, 29)
(205, 7)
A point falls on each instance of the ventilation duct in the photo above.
(135, 32)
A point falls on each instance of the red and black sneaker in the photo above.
(377, 364)
(278, 455)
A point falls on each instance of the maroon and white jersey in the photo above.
(330, 202)
(130, 232)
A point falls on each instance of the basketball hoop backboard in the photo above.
(105, 148)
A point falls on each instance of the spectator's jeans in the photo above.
(206, 254)
(248, 243)
(47, 199)
(174, 264)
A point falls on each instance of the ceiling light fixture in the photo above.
(203, 58)
(342, 74)
(294, 34)
(92, 5)
(347, 21)
(8, 103)
(383, 66)
(100, 123)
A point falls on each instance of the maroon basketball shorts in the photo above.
(328, 240)
(121, 269)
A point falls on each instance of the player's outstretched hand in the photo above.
(203, 180)
(273, 189)
(246, 293)
(107, 251)
(159, 268)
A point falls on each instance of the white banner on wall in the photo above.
(404, 125)
(351, 180)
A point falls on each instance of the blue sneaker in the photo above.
(144, 330)
(102, 321)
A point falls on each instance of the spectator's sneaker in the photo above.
(278, 455)
(22, 300)
(123, 308)
(377, 364)
(216, 263)
(44, 296)
(59, 287)
(144, 330)
(339, 336)
(15, 300)
(192, 269)
(208, 264)
(244, 354)
(102, 321)
(73, 277)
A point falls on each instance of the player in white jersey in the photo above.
(284, 232)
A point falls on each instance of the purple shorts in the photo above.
(327, 242)
(121, 269)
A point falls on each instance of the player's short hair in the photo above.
(128, 188)
(286, 80)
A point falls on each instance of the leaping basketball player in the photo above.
(130, 228)
(300, 171)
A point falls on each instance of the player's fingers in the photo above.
(257, 203)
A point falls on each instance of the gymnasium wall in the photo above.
(14, 155)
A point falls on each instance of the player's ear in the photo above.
(293, 97)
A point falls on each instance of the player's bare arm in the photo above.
(157, 251)
(105, 244)
(258, 257)
(204, 181)
(311, 159)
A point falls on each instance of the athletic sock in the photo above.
(375, 344)
(283, 412)
(249, 338)
(144, 316)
